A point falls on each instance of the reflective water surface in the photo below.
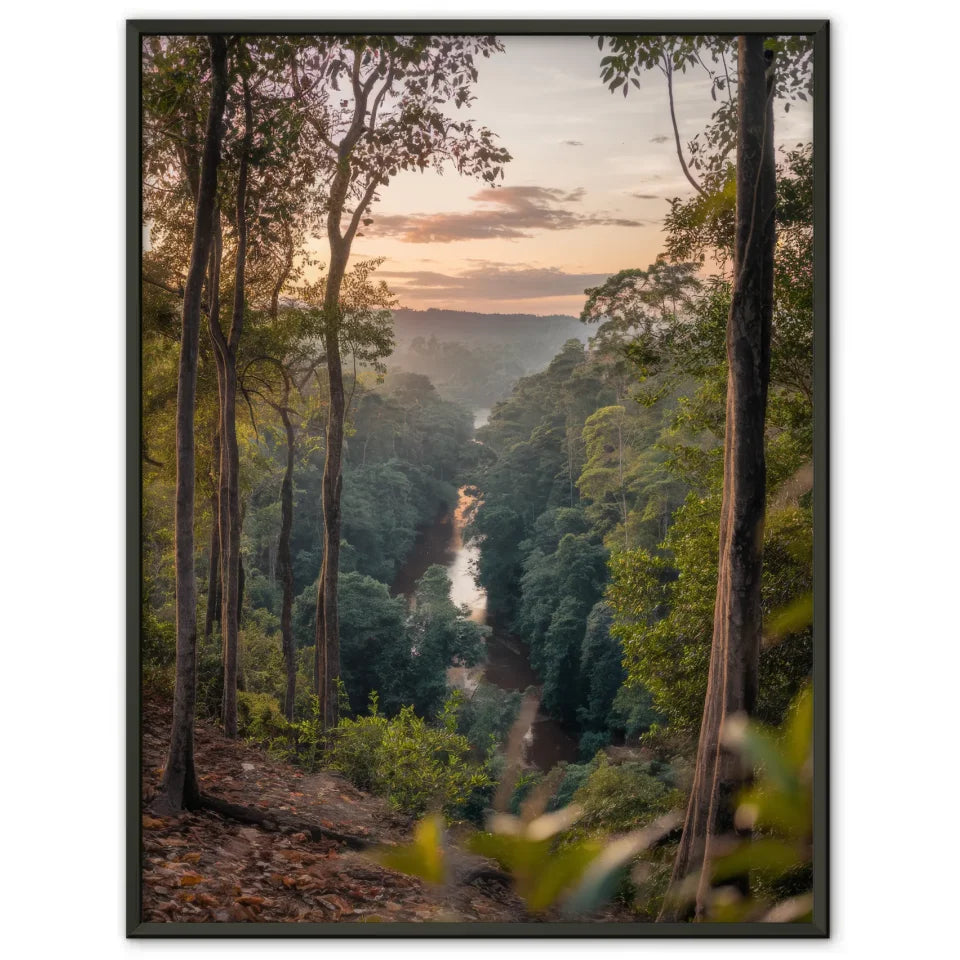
(507, 664)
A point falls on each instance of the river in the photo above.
(507, 663)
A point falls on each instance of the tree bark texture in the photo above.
(178, 788)
(327, 653)
(284, 562)
(735, 650)
(213, 571)
(226, 349)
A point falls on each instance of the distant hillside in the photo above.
(464, 325)
(476, 358)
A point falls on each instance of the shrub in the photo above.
(158, 639)
(574, 776)
(259, 717)
(158, 680)
(621, 798)
(415, 765)
(261, 657)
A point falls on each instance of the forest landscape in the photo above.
(477, 517)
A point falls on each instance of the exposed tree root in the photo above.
(279, 822)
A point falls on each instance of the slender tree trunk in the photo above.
(327, 655)
(735, 651)
(327, 669)
(220, 353)
(213, 575)
(230, 529)
(284, 563)
(230, 535)
(178, 788)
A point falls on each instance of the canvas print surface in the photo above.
(477, 482)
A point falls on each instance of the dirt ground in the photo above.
(203, 867)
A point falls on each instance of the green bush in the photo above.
(261, 656)
(621, 798)
(415, 765)
(158, 680)
(158, 639)
(259, 717)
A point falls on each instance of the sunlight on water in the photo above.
(464, 589)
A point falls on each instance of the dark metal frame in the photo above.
(819, 927)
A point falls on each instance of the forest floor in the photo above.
(204, 867)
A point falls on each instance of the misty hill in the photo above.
(476, 358)
(465, 325)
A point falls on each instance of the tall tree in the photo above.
(179, 789)
(268, 214)
(735, 648)
(391, 117)
(226, 346)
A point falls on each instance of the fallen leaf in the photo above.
(152, 823)
(250, 901)
(190, 879)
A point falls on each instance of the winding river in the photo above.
(507, 663)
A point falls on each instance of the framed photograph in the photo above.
(477, 450)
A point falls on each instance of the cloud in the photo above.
(660, 139)
(492, 281)
(572, 143)
(507, 212)
(645, 196)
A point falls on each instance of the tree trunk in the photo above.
(226, 428)
(213, 574)
(284, 563)
(230, 536)
(178, 789)
(735, 651)
(230, 528)
(327, 667)
(327, 654)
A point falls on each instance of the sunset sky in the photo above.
(583, 197)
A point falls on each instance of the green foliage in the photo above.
(632, 56)
(403, 655)
(424, 857)
(562, 580)
(664, 610)
(547, 866)
(374, 652)
(259, 716)
(486, 715)
(439, 635)
(617, 798)
(261, 657)
(158, 647)
(415, 765)
(209, 676)
(632, 711)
